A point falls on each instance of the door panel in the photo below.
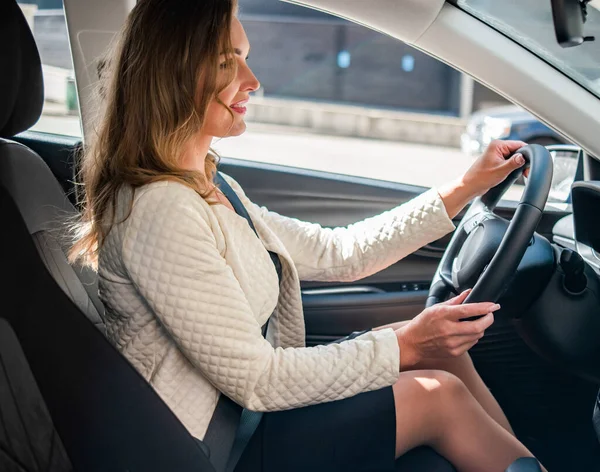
(332, 315)
(338, 200)
(542, 402)
(320, 197)
(396, 293)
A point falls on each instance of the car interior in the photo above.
(70, 401)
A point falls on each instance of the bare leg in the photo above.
(464, 369)
(435, 408)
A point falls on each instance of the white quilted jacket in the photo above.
(188, 285)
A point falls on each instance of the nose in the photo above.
(249, 83)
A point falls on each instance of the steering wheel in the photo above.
(485, 250)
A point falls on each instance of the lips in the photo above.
(239, 107)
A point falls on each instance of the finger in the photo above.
(514, 162)
(475, 327)
(452, 342)
(510, 147)
(484, 323)
(455, 313)
(460, 350)
(458, 299)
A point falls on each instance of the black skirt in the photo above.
(354, 434)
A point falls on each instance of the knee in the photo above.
(451, 388)
(450, 398)
(435, 400)
(442, 389)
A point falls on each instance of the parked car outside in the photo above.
(505, 122)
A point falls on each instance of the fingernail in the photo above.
(519, 159)
(496, 307)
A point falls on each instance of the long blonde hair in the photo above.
(160, 83)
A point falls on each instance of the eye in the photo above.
(226, 64)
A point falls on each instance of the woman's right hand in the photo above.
(437, 332)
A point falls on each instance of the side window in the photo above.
(60, 114)
(342, 98)
(335, 96)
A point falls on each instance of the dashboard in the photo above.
(580, 231)
(563, 233)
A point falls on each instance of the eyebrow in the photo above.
(236, 51)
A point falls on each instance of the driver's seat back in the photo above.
(47, 211)
(107, 416)
(23, 174)
(61, 382)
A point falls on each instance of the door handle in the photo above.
(356, 290)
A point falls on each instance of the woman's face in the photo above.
(218, 121)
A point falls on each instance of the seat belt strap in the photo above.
(231, 426)
(221, 433)
(240, 209)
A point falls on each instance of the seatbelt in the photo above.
(240, 209)
(232, 427)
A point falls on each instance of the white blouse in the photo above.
(188, 285)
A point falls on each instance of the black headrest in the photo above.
(21, 82)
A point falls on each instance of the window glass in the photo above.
(530, 23)
(60, 114)
(335, 97)
(342, 98)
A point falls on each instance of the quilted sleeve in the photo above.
(361, 249)
(171, 256)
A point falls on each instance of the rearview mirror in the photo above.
(566, 159)
(569, 17)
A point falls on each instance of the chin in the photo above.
(238, 129)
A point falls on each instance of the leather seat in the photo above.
(68, 399)
(46, 209)
(24, 174)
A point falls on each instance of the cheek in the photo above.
(216, 114)
(217, 120)
(228, 93)
(218, 117)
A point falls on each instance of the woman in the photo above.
(188, 286)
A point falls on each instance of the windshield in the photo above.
(529, 23)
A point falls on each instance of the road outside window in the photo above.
(335, 97)
(61, 113)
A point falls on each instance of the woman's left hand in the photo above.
(491, 168)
